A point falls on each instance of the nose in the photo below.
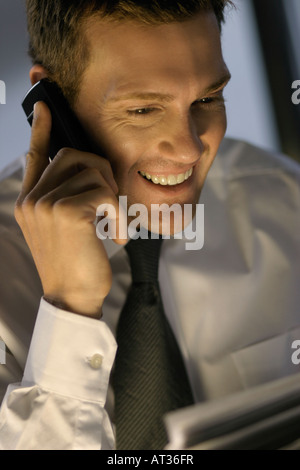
(181, 141)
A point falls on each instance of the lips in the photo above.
(167, 180)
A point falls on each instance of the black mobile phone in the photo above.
(66, 128)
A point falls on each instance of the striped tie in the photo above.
(149, 377)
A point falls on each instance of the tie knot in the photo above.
(144, 257)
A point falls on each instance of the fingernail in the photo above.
(36, 110)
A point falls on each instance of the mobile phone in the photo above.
(66, 129)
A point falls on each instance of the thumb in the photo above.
(37, 158)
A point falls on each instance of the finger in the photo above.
(87, 179)
(70, 162)
(37, 158)
(96, 161)
(84, 206)
(87, 206)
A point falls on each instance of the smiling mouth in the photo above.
(168, 180)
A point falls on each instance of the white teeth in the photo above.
(170, 180)
(181, 178)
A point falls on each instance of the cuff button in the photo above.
(96, 361)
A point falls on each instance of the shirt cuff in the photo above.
(70, 354)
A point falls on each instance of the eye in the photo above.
(216, 100)
(140, 111)
(204, 101)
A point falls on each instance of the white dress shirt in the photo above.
(233, 306)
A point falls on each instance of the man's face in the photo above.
(151, 98)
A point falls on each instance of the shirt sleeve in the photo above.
(59, 405)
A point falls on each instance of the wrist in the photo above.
(73, 308)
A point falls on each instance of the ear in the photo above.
(37, 72)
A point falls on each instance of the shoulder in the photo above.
(20, 288)
(247, 179)
(252, 208)
(10, 186)
(238, 158)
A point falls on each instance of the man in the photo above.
(146, 81)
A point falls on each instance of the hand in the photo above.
(56, 210)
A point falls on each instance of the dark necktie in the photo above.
(149, 377)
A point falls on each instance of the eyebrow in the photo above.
(144, 96)
(141, 96)
(221, 83)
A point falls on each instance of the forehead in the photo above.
(129, 54)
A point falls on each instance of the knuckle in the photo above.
(30, 157)
(108, 195)
(65, 212)
(94, 175)
(106, 163)
(64, 153)
(18, 213)
(61, 207)
(23, 207)
(107, 166)
(43, 206)
(28, 204)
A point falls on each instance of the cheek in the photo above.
(216, 127)
(118, 144)
(212, 138)
(221, 128)
(123, 152)
(215, 134)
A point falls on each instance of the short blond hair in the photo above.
(58, 44)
